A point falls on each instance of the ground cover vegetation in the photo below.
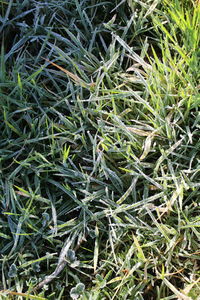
(99, 149)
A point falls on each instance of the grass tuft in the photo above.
(99, 149)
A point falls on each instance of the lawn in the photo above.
(99, 149)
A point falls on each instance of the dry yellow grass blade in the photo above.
(140, 132)
(28, 296)
(74, 77)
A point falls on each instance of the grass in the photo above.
(99, 149)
